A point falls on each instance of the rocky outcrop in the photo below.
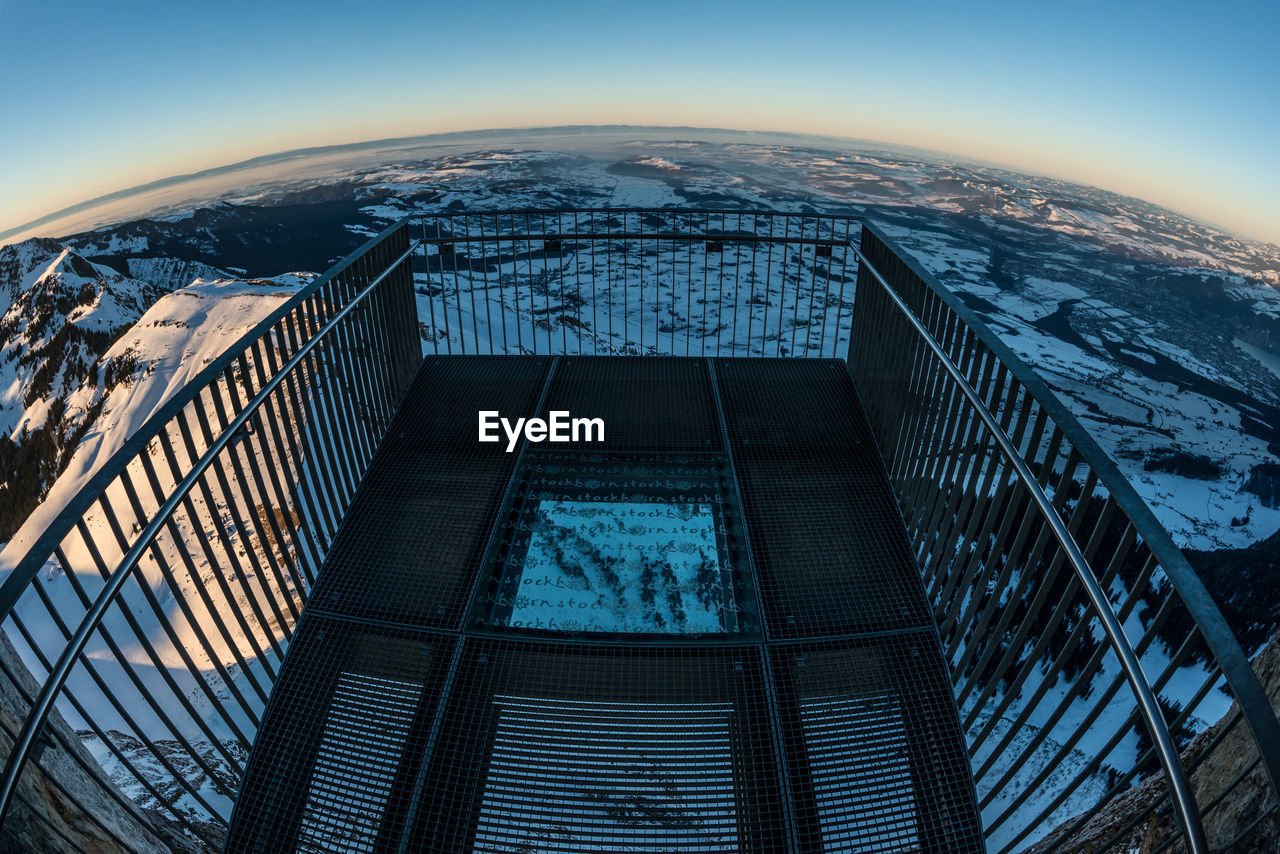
(64, 804)
(1245, 822)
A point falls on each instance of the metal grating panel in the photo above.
(576, 748)
(355, 767)
(417, 531)
(588, 774)
(825, 533)
(488, 736)
(647, 403)
(341, 722)
(874, 747)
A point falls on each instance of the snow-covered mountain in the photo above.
(88, 352)
(62, 314)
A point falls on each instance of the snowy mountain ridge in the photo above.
(87, 353)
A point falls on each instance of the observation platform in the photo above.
(705, 633)
(303, 608)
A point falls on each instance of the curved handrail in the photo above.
(1219, 637)
(1180, 787)
(40, 709)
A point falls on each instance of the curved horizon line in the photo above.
(279, 156)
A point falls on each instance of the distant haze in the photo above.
(181, 192)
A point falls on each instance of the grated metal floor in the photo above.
(819, 718)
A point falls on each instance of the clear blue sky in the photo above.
(1175, 102)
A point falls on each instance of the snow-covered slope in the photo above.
(156, 357)
(61, 314)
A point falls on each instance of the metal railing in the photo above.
(1060, 599)
(674, 282)
(155, 611)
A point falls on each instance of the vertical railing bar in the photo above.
(515, 282)
(167, 574)
(471, 284)
(188, 505)
(350, 377)
(945, 518)
(577, 281)
(919, 376)
(640, 270)
(608, 265)
(533, 311)
(689, 225)
(111, 696)
(203, 592)
(1012, 524)
(737, 298)
(724, 250)
(826, 292)
(559, 277)
(370, 328)
(1079, 729)
(383, 348)
(674, 289)
(706, 267)
(228, 547)
(1005, 492)
(1029, 666)
(251, 454)
(376, 322)
(502, 290)
(813, 282)
(228, 550)
(595, 305)
(626, 285)
(149, 648)
(329, 428)
(344, 348)
(1025, 576)
(923, 424)
(768, 283)
(1043, 588)
(784, 261)
(798, 255)
(302, 389)
(985, 466)
(431, 300)
(444, 287)
(754, 279)
(338, 433)
(951, 512)
(459, 246)
(244, 530)
(285, 440)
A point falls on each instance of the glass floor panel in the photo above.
(628, 545)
